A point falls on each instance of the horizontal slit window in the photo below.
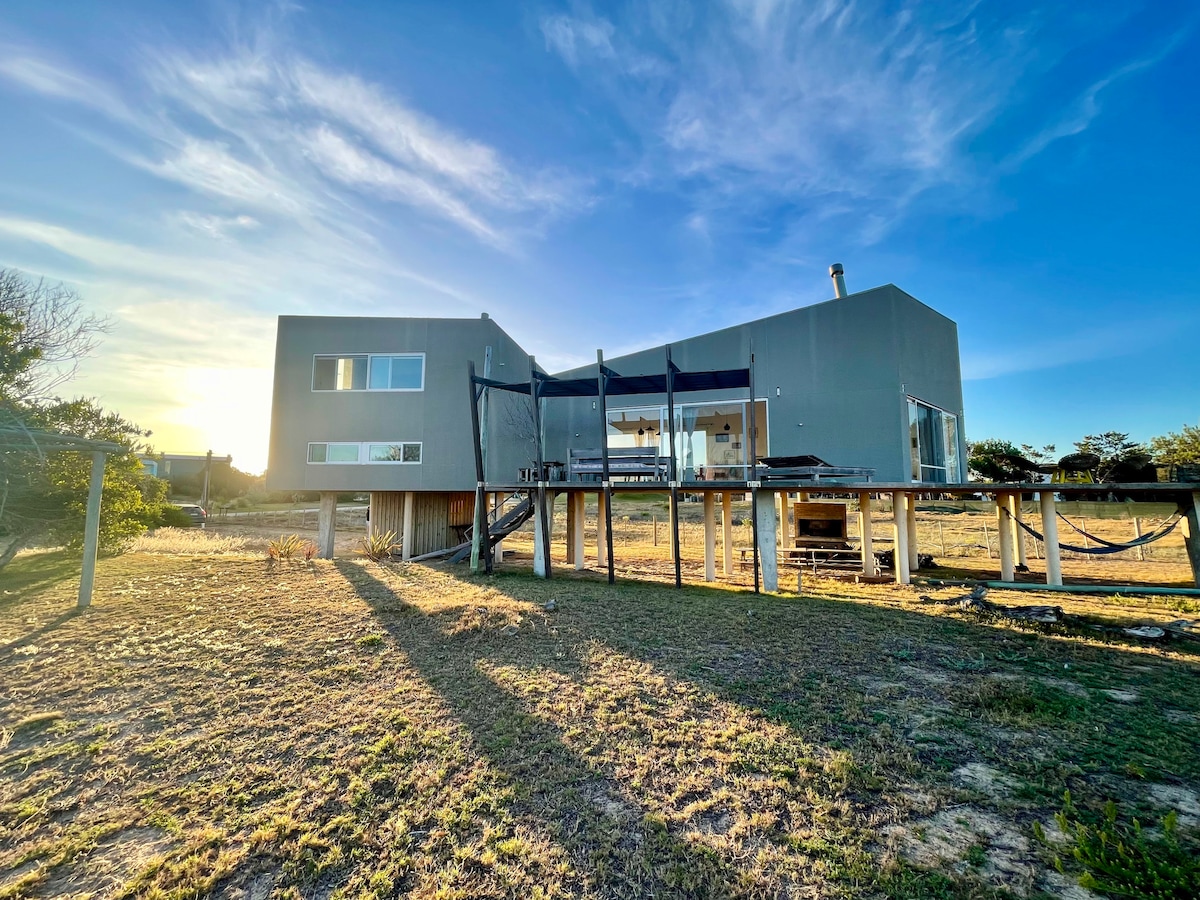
(369, 372)
(394, 453)
(333, 453)
(378, 452)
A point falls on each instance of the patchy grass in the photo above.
(216, 726)
(189, 540)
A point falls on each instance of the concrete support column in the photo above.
(767, 547)
(866, 538)
(91, 531)
(326, 524)
(407, 537)
(601, 531)
(910, 512)
(727, 530)
(1005, 533)
(498, 505)
(1050, 538)
(1014, 508)
(710, 536)
(540, 563)
(1191, 535)
(577, 543)
(900, 537)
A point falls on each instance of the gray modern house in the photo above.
(382, 405)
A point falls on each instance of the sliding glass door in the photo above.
(711, 439)
(933, 437)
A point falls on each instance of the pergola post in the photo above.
(727, 530)
(1014, 508)
(1050, 538)
(91, 530)
(498, 506)
(544, 538)
(710, 537)
(866, 538)
(673, 469)
(605, 475)
(900, 534)
(326, 524)
(1004, 529)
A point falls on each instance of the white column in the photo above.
(710, 537)
(910, 511)
(326, 516)
(601, 531)
(785, 540)
(866, 538)
(539, 543)
(1050, 538)
(1005, 532)
(767, 548)
(498, 549)
(727, 530)
(91, 531)
(406, 551)
(900, 535)
(579, 510)
(1014, 507)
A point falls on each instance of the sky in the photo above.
(612, 175)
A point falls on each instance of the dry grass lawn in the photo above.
(213, 726)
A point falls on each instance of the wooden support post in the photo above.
(768, 551)
(580, 526)
(910, 512)
(1191, 534)
(605, 511)
(326, 524)
(1014, 508)
(407, 537)
(91, 530)
(571, 529)
(673, 468)
(1005, 532)
(1050, 538)
(710, 537)
(1137, 535)
(900, 537)
(784, 531)
(727, 531)
(602, 539)
(866, 537)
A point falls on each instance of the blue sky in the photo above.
(613, 175)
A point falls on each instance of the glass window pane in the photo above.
(384, 453)
(406, 372)
(412, 453)
(316, 453)
(343, 453)
(951, 446)
(325, 373)
(381, 367)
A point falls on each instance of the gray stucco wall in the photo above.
(835, 377)
(439, 416)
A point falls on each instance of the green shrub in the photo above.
(1122, 860)
(379, 546)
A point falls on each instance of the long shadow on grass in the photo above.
(34, 572)
(618, 857)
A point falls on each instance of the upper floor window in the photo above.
(369, 372)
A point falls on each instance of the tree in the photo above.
(1001, 461)
(1120, 458)
(44, 333)
(1173, 449)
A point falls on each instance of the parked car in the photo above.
(194, 512)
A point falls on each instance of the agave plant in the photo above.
(379, 545)
(286, 547)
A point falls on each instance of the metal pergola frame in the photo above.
(30, 440)
(607, 383)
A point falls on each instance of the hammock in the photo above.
(1106, 547)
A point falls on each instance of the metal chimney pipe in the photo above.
(836, 272)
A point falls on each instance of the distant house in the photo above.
(381, 405)
(177, 466)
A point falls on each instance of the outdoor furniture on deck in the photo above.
(623, 462)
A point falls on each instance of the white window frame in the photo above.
(368, 389)
(364, 453)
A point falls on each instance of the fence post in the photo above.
(1137, 533)
(987, 540)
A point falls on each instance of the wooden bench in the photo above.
(623, 462)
